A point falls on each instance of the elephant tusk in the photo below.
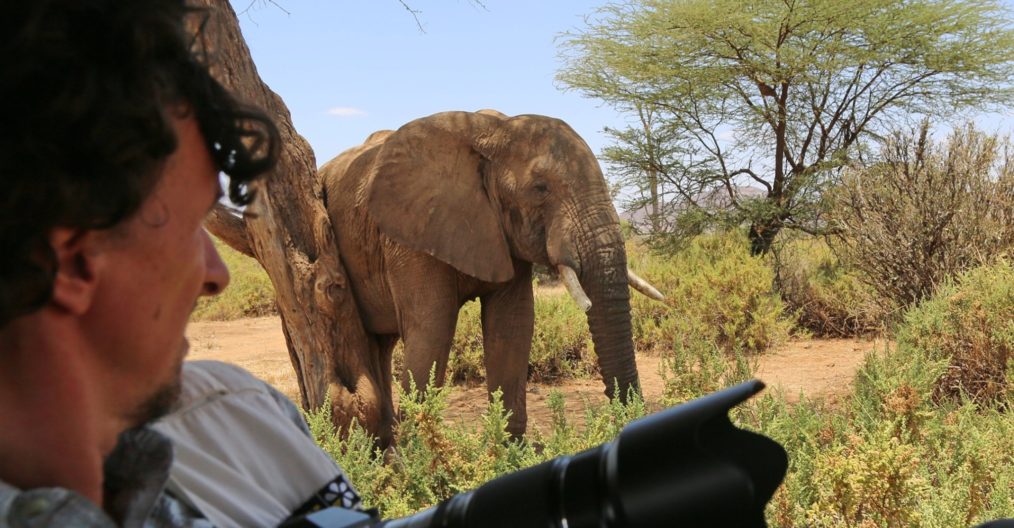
(642, 286)
(569, 277)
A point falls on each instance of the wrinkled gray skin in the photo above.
(457, 206)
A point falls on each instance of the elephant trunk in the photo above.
(603, 276)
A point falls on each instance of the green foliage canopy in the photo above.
(776, 94)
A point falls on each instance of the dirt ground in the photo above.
(818, 368)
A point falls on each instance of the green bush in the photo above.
(715, 291)
(432, 461)
(695, 368)
(968, 324)
(828, 299)
(249, 294)
(890, 456)
(561, 344)
(871, 480)
(896, 453)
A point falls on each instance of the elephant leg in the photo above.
(426, 299)
(384, 345)
(508, 321)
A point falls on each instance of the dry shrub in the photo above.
(828, 299)
(926, 211)
(969, 323)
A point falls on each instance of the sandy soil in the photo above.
(816, 368)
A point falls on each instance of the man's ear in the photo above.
(77, 263)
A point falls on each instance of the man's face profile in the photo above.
(154, 266)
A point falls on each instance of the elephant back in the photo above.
(360, 242)
(345, 176)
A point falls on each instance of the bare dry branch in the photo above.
(229, 228)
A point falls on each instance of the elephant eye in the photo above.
(541, 188)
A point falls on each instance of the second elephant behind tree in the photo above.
(458, 206)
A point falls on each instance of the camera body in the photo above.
(686, 466)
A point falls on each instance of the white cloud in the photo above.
(346, 111)
(726, 135)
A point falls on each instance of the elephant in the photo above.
(460, 205)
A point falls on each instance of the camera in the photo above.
(683, 466)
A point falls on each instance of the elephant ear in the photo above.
(427, 193)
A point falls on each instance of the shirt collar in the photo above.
(135, 474)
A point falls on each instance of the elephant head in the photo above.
(481, 190)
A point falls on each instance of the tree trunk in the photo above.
(762, 235)
(653, 182)
(291, 236)
(646, 116)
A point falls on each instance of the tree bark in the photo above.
(230, 228)
(291, 236)
(653, 183)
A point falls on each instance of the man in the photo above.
(112, 140)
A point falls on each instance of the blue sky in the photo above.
(346, 69)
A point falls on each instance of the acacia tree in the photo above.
(645, 161)
(777, 94)
(639, 165)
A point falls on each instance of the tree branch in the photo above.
(229, 228)
(415, 15)
(246, 11)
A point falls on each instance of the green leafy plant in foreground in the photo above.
(890, 454)
(433, 460)
(896, 453)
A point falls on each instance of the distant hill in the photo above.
(717, 199)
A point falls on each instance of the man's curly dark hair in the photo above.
(90, 89)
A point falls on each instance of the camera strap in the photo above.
(337, 493)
